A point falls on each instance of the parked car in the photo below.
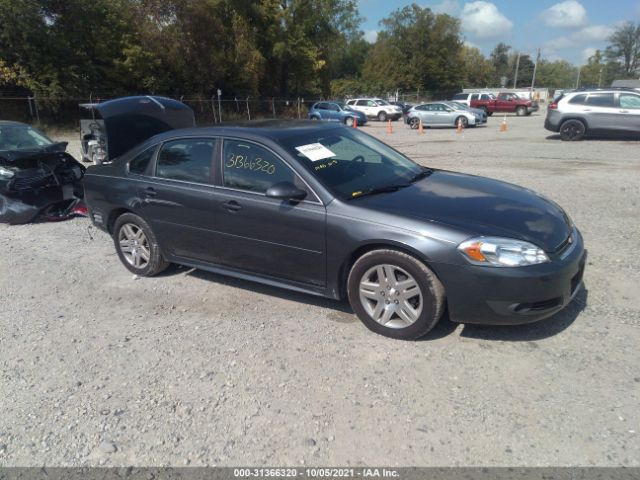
(505, 102)
(599, 111)
(38, 179)
(376, 108)
(481, 115)
(439, 114)
(405, 107)
(331, 211)
(336, 112)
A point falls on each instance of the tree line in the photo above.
(264, 48)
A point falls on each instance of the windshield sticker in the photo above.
(315, 152)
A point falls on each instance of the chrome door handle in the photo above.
(623, 111)
(150, 192)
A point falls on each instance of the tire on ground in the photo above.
(156, 263)
(433, 292)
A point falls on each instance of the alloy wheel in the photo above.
(134, 245)
(391, 296)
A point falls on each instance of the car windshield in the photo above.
(21, 137)
(351, 163)
(379, 101)
(344, 106)
(457, 106)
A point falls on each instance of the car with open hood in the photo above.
(38, 178)
(327, 210)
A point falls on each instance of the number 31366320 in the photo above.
(258, 164)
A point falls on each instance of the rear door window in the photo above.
(600, 100)
(485, 97)
(475, 96)
(187, 160)
(460, 96)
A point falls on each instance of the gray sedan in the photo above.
(480, 113)
(440, 114)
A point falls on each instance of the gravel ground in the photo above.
(192, 368)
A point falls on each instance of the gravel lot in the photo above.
(191, 368)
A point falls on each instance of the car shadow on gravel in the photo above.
(533, 331)
(299, 297)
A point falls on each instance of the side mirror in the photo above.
(285, 191)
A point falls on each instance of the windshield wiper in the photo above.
(420, 175)
(375, 191)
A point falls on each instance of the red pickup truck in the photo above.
(506, 102)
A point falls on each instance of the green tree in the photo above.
(479, 71)
(558, 74)
(416, 49)
(500, 59)
(624, 51)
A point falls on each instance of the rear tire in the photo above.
(572, 130)
(395, 295)
(382, 116)
(137, 246)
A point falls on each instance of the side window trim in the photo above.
(213, 160)
(220, 170)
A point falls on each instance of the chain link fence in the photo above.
(65, 112)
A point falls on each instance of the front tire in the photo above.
(521, 111)
(461, 120)
(348, 121)
(414, 123)
(382, 116)
(572, 130)
(395, 295)
(137, 246)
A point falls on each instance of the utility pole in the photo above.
(578, 79)
(515, 79)
(535, 69)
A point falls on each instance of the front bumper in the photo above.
(511, 296)
(533, 108)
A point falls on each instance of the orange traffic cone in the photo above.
(420, 128)
(389, 127)
(503, 125)
(459, 126)
(355, 122)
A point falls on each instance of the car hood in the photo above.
(14, 155)
(478, 205)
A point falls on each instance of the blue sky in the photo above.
(563, 29)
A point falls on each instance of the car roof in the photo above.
(270, 129)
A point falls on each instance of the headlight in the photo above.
(501, 252)
(6, 173)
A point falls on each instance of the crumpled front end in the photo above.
(40, 185)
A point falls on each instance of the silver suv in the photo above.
(601, 111)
